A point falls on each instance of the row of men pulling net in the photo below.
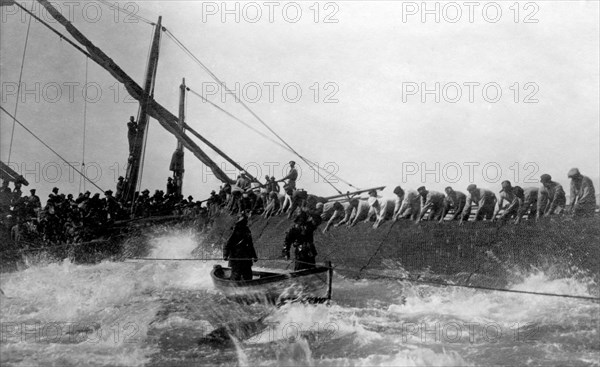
(65, 219)
(549, 199)
(512, 204)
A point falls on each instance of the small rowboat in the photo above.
(308, 285)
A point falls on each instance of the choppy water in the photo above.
(154, 313)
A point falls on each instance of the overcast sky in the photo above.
(369, 60)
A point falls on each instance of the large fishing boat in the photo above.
(482, 247)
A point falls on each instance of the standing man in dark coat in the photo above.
(240, 251)
(301, 237)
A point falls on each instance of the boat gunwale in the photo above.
(274, 277)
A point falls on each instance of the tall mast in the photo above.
(134, 162)
(154, 109)
(177, 158)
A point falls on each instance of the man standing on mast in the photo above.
(132, 130)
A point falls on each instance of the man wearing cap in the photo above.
(431, 200)
(506, 193)
(53, 197)
(583, 194)
(34, 200)
(292, 176)
(120, 188)
(485, 199)
(528, 202)
(301, 236)
(513, 207)
(551, 198)
(455, 200)
(142, 203)
(399, 192)
(170, 186)
(239, 250)
(411, 206)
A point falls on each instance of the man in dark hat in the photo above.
(239, 250)
(485, 200)
(455, 200)
(301, 236)
(583, 194)
(551, 198)
(431, 200)
(291, 177)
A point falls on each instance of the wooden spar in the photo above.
(134, 162)
(154, 109)
(8, 174)
(348, 194)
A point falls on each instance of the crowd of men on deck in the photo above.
(66, 219)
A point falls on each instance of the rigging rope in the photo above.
(62, 37)
(12, 132)
(81, 180)
(123, 10)
(50, 148)
(212, 75)
(391, 277)
(313, 164)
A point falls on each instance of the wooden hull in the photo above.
(312, 285)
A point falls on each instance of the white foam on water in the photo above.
(103, 311)
(177, 244)
(415, 357)
(480, 305)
